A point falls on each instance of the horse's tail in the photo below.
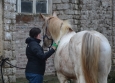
(90, 52)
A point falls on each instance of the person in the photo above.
(35, 67)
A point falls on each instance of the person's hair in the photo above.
(34, 32)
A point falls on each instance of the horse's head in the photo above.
(54, 27)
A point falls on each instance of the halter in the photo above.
(45, 35)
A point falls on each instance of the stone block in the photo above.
(105, 4)
(7, 71)
(65, 1)
(6, 1)
(6, 79)
(7, 15)
(13, 62)
(65, 17)
(76, 17)
(74, 1)
(6, 20)
(6, 27)
(84, 17)
(13, 46)
(12, 15)
(8, 36)
(14, 70)
(8, 54)
(5, 7)
(12, 27)
(7, 45)
(12, 8)
(71, 21)
(77, 12)
(8, 7)
(12, 78)
(54, 7)
(12, 1)
(76, 7)
(69, 12)
(14, 55)
(61, 12)
(77, 21)
(13, 21)
(72, 6)
(56, 1)
(63, 6)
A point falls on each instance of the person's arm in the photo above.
(37, 50)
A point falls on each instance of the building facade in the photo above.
(96, 15)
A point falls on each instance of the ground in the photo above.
(53, 79)
(47, 79)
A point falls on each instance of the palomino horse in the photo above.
(84, 57)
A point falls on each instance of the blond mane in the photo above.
(58, 28)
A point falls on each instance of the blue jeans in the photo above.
(34, 78)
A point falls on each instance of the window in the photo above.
(34, 6)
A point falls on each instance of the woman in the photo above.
(35, 67)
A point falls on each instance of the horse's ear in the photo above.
(54, 14)
(42, 16)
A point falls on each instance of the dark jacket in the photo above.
(36, 56)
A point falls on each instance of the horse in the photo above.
(83, 56)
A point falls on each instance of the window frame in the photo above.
(48, 11)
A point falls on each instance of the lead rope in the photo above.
(3, 61)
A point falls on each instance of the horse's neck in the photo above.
(67, 37)
(64, 42)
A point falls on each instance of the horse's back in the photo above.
(75, 45)
(104, 43)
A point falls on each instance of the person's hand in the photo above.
(54, 46)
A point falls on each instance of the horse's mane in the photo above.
(58, 27)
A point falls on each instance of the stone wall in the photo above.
(83, 14)
(1, 29)
(9, 13)
(113, 33)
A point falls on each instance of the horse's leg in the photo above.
(104, 66)
(103, 74)
(62, 78)
(81, 79)
(102, 79)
